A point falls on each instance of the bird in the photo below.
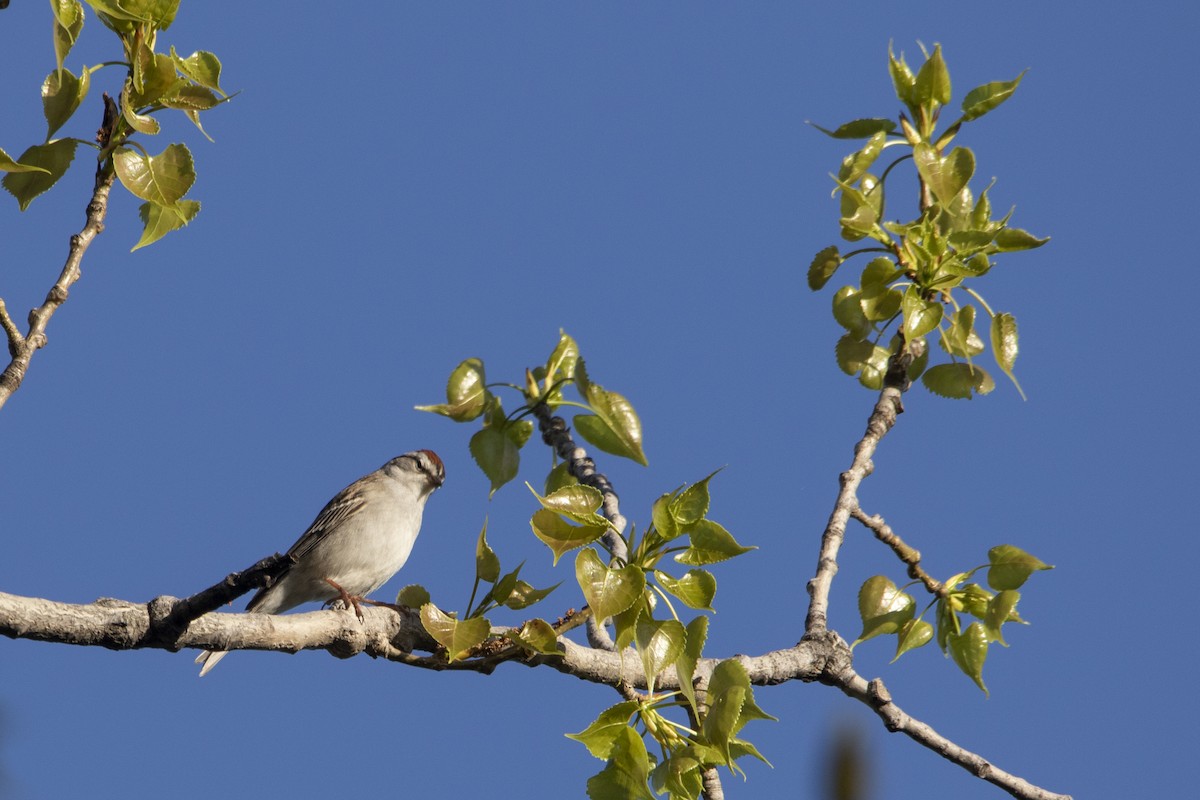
(361, 538)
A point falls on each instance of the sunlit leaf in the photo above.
(961, 339)
(859, 128)
(946, 176)
(983, 99)
(1000, 609)
(162, 179)
(607, 591)
(1011, 567)
(487, 563)
(685, 665)
(496, 454)
(68, 23)
(696, 589)
(200, 67)
(50, 162)
(576, 502)
(1010, 240)
(659, 644)
(710, 543)
(412, 596)
(7, 164)
(466, 393)
(561, 536)
(1004, 345)
(62, 93)
(883, 608)
(912, 634)
(848, 312)
(538, 636)
(822, 267)
(626, 774)
(690, 505)
(902, 79)
(958, 381)
(599, 736)
(933, 80)
(457, 636)
(158, 221)
(858, 162)
(920, 315)
(969, 651)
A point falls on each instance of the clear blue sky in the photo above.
(398, 189)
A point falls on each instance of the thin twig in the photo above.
(909, 555)
(22, 347)
(875, 694)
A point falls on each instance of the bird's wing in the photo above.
(344, 503)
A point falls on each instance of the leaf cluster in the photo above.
(154, 82)
(921, 284)
(610, 422)
(888, 610)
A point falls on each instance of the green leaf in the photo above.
(615, 427)
(848, 312)
(710, 543)
(600, 735)
(160, 13)
(487, 563)
(560, 477)
(50, 162)
(983, 99)
(162, 179)
(62, 93)
(190, 98)
(628, 769)
(153, 76)
(879, 273)
(412, 596)
(466, 393)
(607, 591)
(945, 176)
(625, 623)
(853, 355)
(1000, 609)
(523, 595)
(859, 214)
(960, 339)
(969, 651)
(201, 67)
(496, 455)
(457, 636)
(1010, 240)
(689, 506)
(933, 81)
(859, 128)
(538, 636)
(678, 776)
(823, 265)
(518, 431)
(724, 708)
(561, 364)
(858, 162)
(696, 589)
(903, 79)
(912, 634)
(879, 303)
(1004, 345)
(142, 124)
(685, 665)
(68, 22)
(958, 381)
(920, 315)
(158, 221)
(659, 644)
(561, 536)
(577, 502)
(505, 586)
(884, 608)
(660, 515)
(1011, 567)
(8, 165)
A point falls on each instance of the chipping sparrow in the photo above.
(361, 538)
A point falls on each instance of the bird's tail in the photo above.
(209, 659)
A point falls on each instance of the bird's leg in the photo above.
(348, 599)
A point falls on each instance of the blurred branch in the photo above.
(21, 347)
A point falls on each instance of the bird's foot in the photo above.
(348, 600)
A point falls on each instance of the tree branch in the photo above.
(22, 347)
(910, 556)
(875, 694)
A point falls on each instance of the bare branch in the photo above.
(875, 694)
(880, 422)
(22, 348)
(909, 555)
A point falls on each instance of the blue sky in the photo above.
(395, 191)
